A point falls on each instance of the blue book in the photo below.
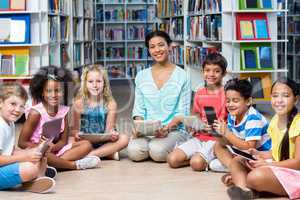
(4, 5)
(261, 29)
(265, 57)
(266, 3)
(250, 59)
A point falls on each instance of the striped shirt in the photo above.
(253, 127)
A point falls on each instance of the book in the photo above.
(4, 29)
(266, 4)
(17, 4)
(246, 29)
(147, 127)
(21, 65)
(250, 58)
(257, 91)
(261, 29)
(251, 4)
(7, 64)
(4, 5)
(265, 57)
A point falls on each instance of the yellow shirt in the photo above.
(277, 135)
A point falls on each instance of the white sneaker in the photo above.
(40, 185)
(88, 162)
(116, 156)
(217, 166)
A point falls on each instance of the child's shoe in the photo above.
(116, 156)
(217, 166)
(237, 193)
(88, 162)
(51, 172)
(40, 185)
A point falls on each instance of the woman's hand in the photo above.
(162, 133)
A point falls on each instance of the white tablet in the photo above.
(147, 127)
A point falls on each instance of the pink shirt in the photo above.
(217, 100)
(62, 112)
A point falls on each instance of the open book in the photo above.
(147, 127)
(193, 122)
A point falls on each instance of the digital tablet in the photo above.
(193, 122)
(147, 127)
(241, 153)
(210, 114)
(95, 137)
(51, 129)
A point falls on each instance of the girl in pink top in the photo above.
(47, 89)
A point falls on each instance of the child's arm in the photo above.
(28, 128)
(76, 111)
(292, 163)
(28, 155)
(222, 128)
(63, 140)
(111, 116)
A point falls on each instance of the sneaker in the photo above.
(116, 156)
(217, 166)
(40, 185)
(88, 162)
(237, 193)
(51, 172)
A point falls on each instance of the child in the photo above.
(18, 166)
(47, 88)
(277, 171)
(94, 111)
(246, 127)
(198, 152)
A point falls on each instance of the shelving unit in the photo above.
(121, 26)
(50, 36)
(212, 26)
(293, 36)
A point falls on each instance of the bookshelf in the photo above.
(293, 36)
(223, 26)
(38, 33)
(121, 26)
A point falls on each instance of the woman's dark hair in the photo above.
(215, 59)
(241, 86)
(285, 145)
(39, 80)
(159, 34)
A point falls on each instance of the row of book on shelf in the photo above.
(117, 33)
(174, 27)
(207, 27)
(255, 4)
(132, 52)
(167, 8)
(12, 5)
(116, 71)
(14, 61)
(204, 6)
(57, 32)
(119, 14)
(58, 6)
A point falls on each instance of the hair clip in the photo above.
(52, 77)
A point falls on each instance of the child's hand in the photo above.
(207, 128)
(162, 133)
(220, 127)
(30, 155)
(191, 131)
(258, 163)
(135, 133)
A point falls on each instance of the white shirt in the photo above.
(7, 137)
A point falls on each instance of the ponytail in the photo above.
(285, 144)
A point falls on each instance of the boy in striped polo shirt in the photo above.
(246, 128)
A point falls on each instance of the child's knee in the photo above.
(173, 160)
(123, 140)
(158, 152)
(85, 144)
(197, 163)
(254, 179)
(136, 152)
(28, 171)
